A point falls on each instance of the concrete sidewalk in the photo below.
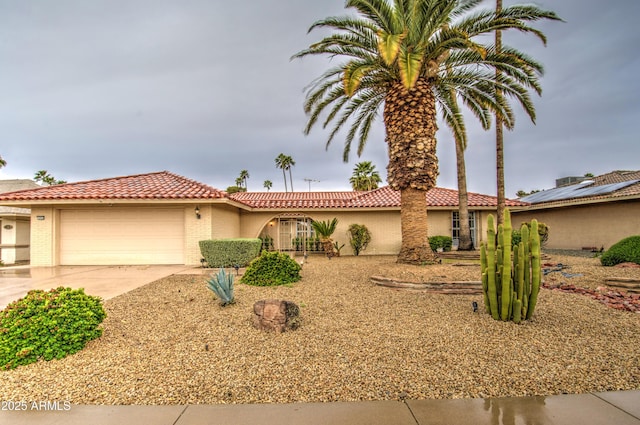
(612, 408)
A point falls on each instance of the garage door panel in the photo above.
(122, 236)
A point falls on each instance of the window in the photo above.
(297, 235)
(455, 226)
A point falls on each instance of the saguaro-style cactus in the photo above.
(510, 285)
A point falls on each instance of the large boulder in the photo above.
(276, 315)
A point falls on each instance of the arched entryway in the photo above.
(290, 232)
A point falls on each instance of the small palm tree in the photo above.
(324, 229)
(410, 56)
(365, 176)
(268, 184)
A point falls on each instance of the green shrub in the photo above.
(444, 242)
(543, 232)
(516, 237)
(230, 252)
(48, 325)
(626, 250)
(359, 237)
(272, 269)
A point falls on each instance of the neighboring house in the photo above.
(158, 218)
(14, 225)
(595, 212)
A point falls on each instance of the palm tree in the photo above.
(281, 160)
(244, 175)
(398, 55)
(499, 137)
(365, 176)
(268, 184)
(289, 162)
(285, 162)
(3, 163)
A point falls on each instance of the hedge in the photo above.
(230, 252)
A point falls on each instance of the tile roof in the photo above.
(294, 200)
(165, 185)
(160, 185)
(377, 198)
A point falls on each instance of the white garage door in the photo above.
(122, 236)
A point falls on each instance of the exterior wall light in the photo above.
(198, 213)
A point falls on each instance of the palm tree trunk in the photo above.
(415, 247)
(499, 138)
(285, 180)
(410, 122)
(291, 179)
(465, 243)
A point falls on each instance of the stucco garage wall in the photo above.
(593, 225)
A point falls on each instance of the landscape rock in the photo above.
(276, 315)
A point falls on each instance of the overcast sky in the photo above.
(205, 88)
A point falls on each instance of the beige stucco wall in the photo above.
(593, 225)
(384, 226)
(225, 222)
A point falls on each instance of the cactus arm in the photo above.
(485, 276)
(491, 268)
(535, 267)
(506, 287)
(517, 311)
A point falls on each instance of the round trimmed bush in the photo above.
(48, 325)
(272, 269)
(625, 251)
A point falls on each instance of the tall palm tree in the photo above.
(398, 53)
(289, 162)
(285, 162)
(365, 176)
(3, 163)
(499, 137)
(281, 162)
(244, 175)
(268, 184)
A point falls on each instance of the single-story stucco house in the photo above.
(15, 225)
(159, 218)
(589, 213)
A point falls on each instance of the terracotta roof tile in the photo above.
(378, 198)
(160, 185)
(165, 185)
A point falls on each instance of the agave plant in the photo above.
(222, 285)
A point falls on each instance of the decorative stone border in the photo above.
(451, 288)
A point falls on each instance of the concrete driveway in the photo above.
(103, 281)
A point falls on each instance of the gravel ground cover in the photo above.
(169, 342)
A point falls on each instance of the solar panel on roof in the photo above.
(575, 191)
